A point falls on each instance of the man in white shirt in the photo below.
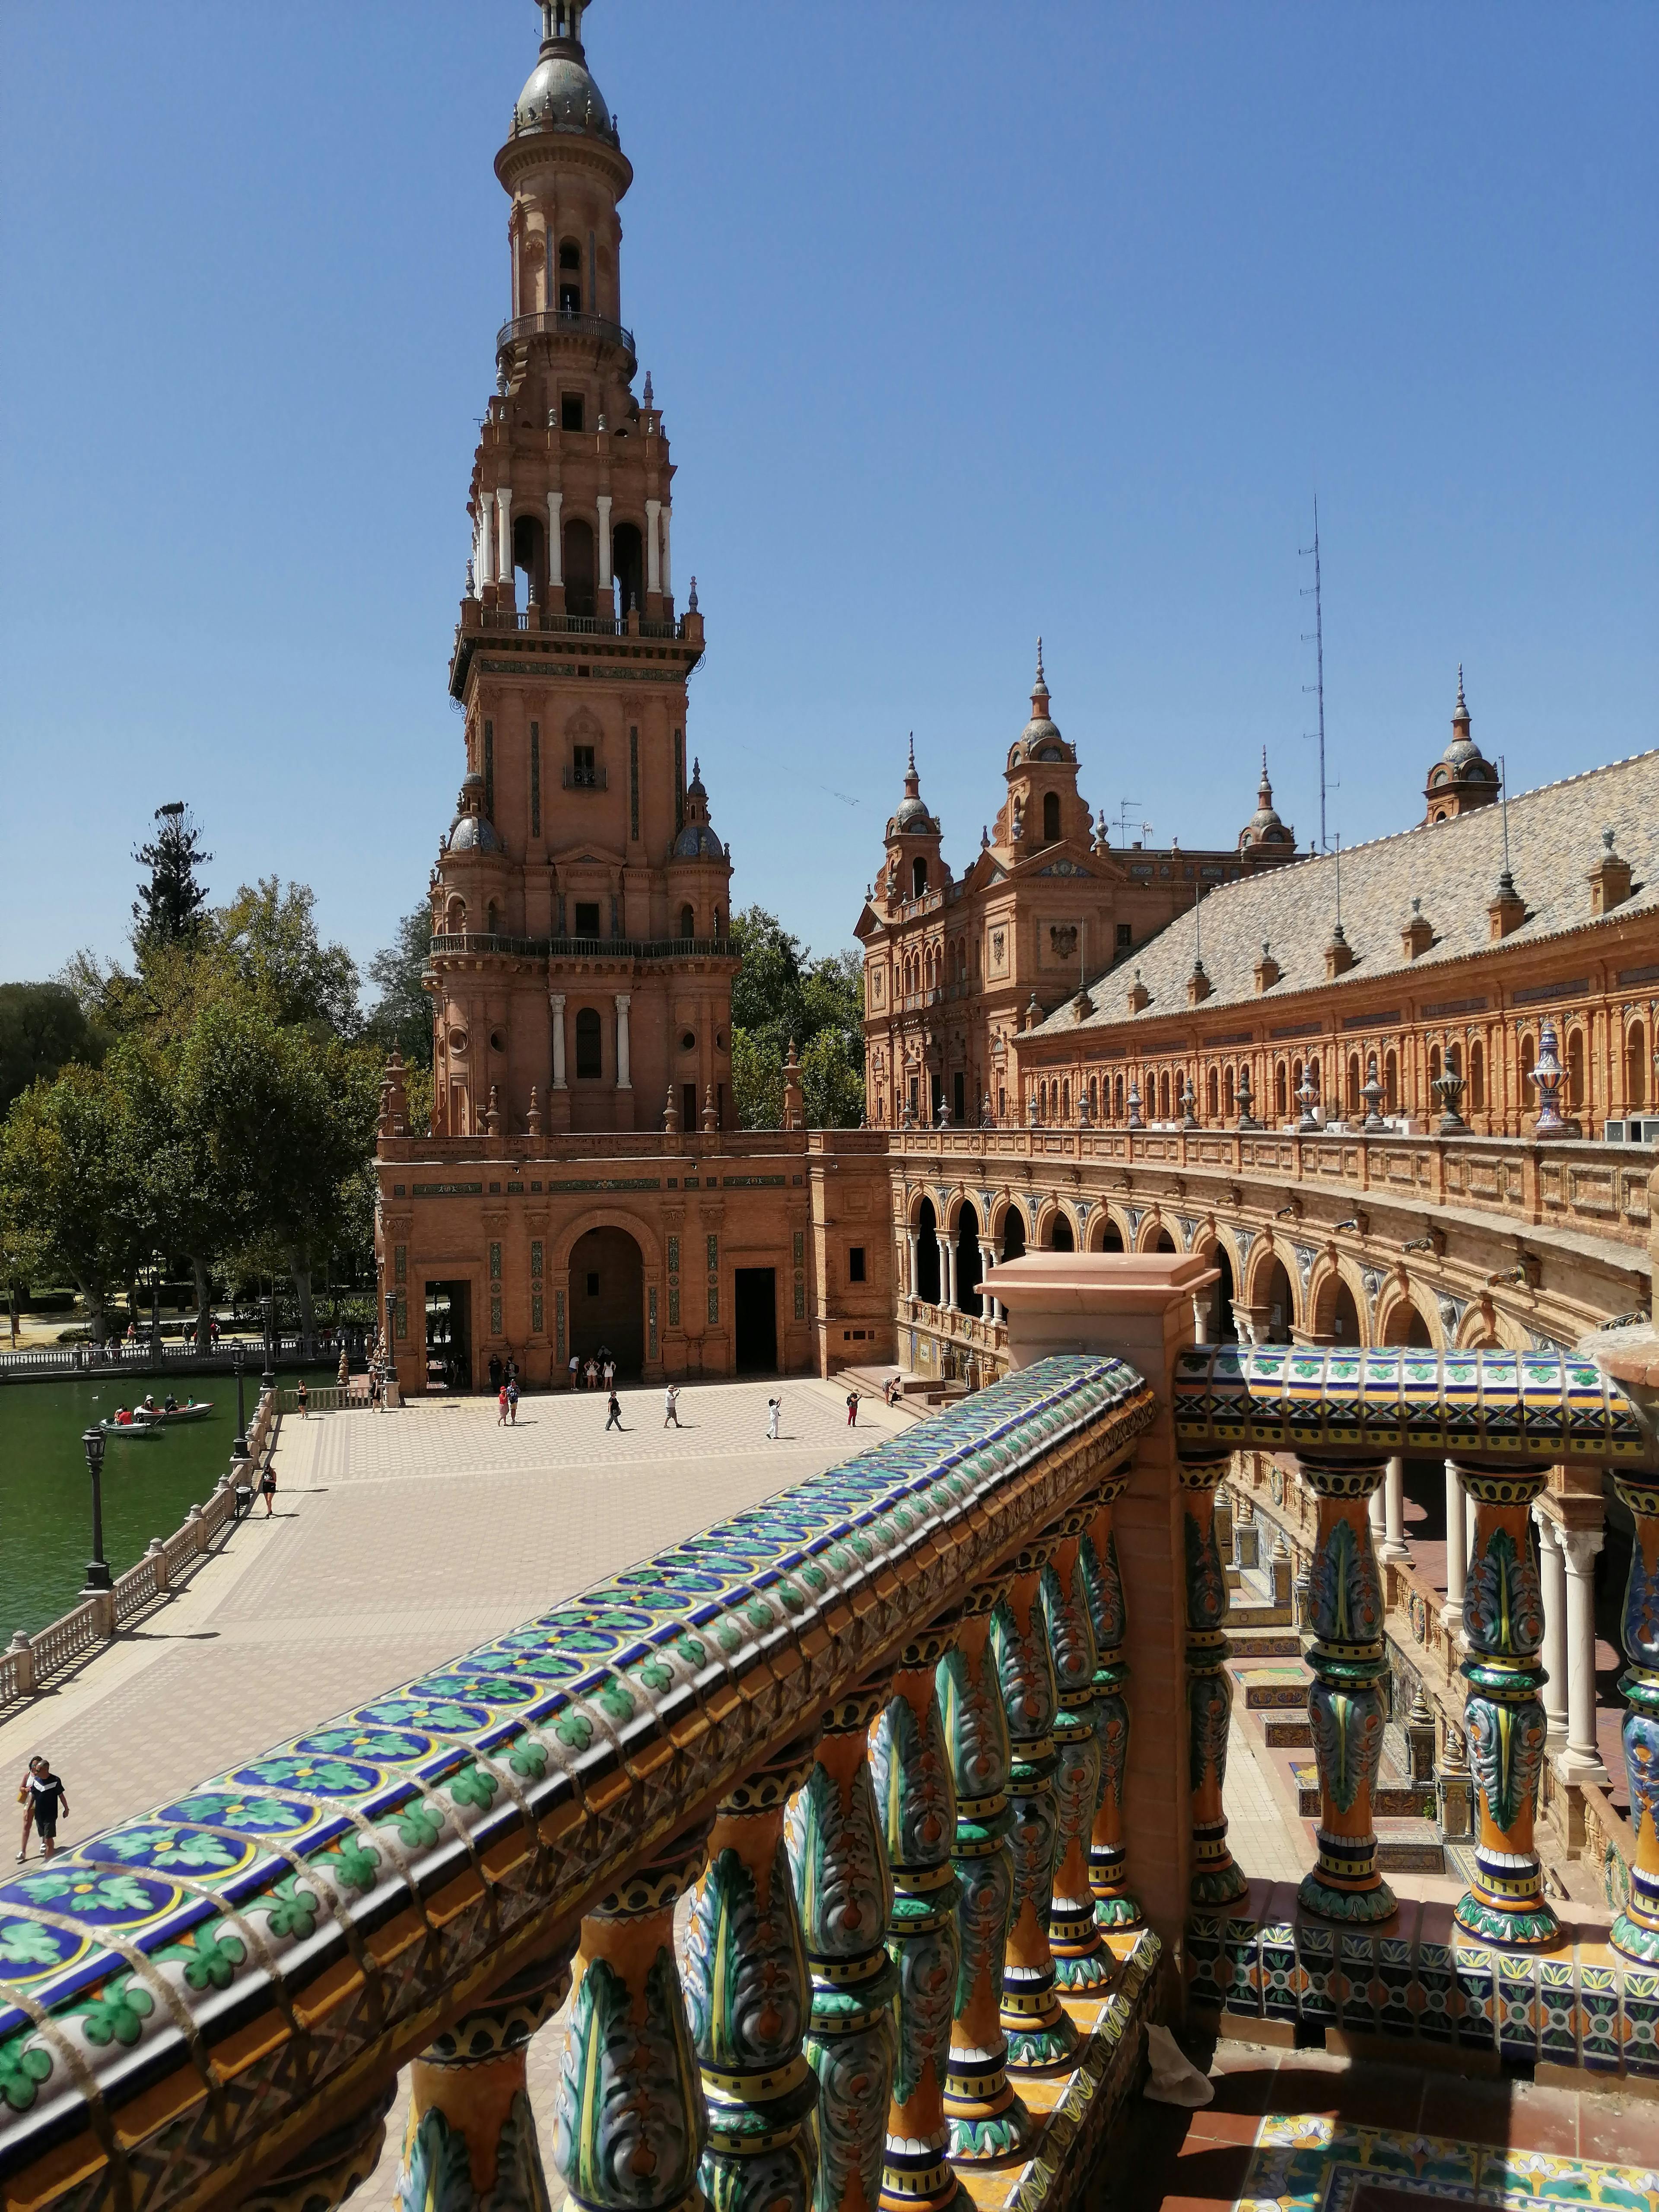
(671, 1407)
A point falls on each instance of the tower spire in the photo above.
(1039, 689)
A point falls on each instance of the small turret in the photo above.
(1462, 778)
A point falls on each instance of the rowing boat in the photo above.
(163, 1417)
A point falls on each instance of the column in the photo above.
(486, 534)
(470, 2138)
(1503, 1714)
(1552, 1573)
(986, 2120)
(1080, 1959)
(1346, 1712)
(1115, 1907)
(1393, 1512)
(1039, 2032)
(504, 539)
(1217, 1878)
(914, 1241)
(1582, 1759)
(556, 1007)
(1200, 1318)
(911, 1775)
(624, 1080)
(947, 1271)
(989, 1306)
(630, 2121)
(1376, 1513)
(1635, 1930)
(555, 538)
(667, 566)
(604, 543)
(845, 1895)
(748, 1996)
(653, 558)
(1451, 1614)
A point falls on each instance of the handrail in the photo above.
(585, 948)
(493, 1799)
(557, 322)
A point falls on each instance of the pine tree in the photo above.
(169, 908)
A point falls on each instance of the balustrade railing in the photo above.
(460, 942)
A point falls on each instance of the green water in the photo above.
(45, 1493)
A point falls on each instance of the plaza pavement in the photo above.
(399, 1539)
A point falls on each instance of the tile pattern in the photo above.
(1422, 1978)
(1309, 2162)
(1528, 1406)
(418, 1836)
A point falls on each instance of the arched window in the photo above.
(1635, 1065)
(570, 277)
(590, 1060)
(1050, 817)
(1528, 1088)
(1060, 1238)
(1434, 1066)
(491, 918)
(1281, 1090)
(1163, 1094)
(1065, 1101)
(527, 555)
(1478, 1076)
(628, 565)
(1117, 1098)
(1391, 1083)
(1212, 1093)
(1094, 1099)
(1575, 1070)
(688, 923)
(918, 877)
(1227, 1092)
(579, 568)
(455, 916)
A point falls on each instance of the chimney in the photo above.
(1418, 935)
(1267, 969)
(1609, 879)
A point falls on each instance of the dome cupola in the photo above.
(560, 93)
(910, 818)
(1462, 778)
(472, 831)
(696, 841)
(1040, 740)
(1264, 828)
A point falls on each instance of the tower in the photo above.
(1462, 778)
(1264, 836)
(580, 941)
(914, 866)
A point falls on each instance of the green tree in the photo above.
(66, 1188)
(173, 1180)
(756, 1081)
(270, 933)
(402, 1016)
(169, 908)
(42, 1026)
(783, 995)
(832, 1081)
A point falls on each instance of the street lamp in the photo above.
(98, 1575)
(238, 1450)
(268, 1380)
(391, 1369)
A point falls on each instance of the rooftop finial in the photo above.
(1039, 673)
(648, 401)
(1461, 711)
(913, 752)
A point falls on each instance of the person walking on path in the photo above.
(501, 1407)
(852, 1409)
(268, 1487)
(671, 1407)
(513, 1403)
(773, 1415)
(613, 1419)
(42, 1799)
(300, 1395)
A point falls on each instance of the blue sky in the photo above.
(967, 322)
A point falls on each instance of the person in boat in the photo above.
(148, 1406)
(123, 1418)
(170, 1403)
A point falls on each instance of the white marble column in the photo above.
(1200, 1317)
(915, 1242)
(1582, 1759)
(504, 538)
(556, 1007)
(1374, 1514)
(555, 538)
(947, 1273)
(625, 1079)
(1553, 1575)
(1451, 1614)
(667, 567)
(1394, 1511)
(487, 540)
(988, 1306)
(604, 541)
(652, 546)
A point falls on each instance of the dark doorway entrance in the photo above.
(607, 1298)
(448, 1336)
(756, 1299)
(927, 1267)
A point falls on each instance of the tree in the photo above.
(756, 1081)
(271, 935)
(782, 995)
(402, 1016)
(65, 1189)
(169, 908)
(172, 1177)
(832, 1081)
(766, 994)
(42, 1026)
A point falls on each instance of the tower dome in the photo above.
(1040, 740)
(910, 818)
(696, 841)
(1463, 777)
(560, 93)
(1264, 828)
(472, 831)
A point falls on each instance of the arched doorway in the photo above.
(1224, 1329)
(1164, 1241)
(1013, 1234)
(1405, 1328)
(628, 565)
(1111, 1236)
(1281, 1306)
(579, 567)
(607, 1298)
(968, 1266)
(1345, 1318)
(928, 1254)
(1060, 1238)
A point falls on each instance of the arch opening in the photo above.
(607, 1298)
(969, 1262)
(927, 1267)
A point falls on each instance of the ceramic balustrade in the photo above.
(1635, 1930)
(1217, 1878)
(1080, 1960)
(1114, 1904)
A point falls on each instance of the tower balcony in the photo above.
(566, 328)
(457, 944)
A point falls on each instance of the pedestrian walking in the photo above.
(268, 1487)
(513, 1403)
(41, 1795)
(575, 1371)
(671, 1407)
(613, 1419)
(300, 1394)
(852, 1409)
(501, 1407)
(773, 1415)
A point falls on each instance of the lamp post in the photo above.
(391, 1357)
(98, 1575)
(268, 1380)
(238, 1450)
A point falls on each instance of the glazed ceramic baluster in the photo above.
(748, 1995)
(1080, 1959)
(1115, 1907)
(845, 1894)
(1346, 1712)
(1635, 1930)
(470, 2137)
(987, 2119)
(1217, 1879)
(1040, 2034)
(916, 1803)
(631, 2120)
(1503, 1715)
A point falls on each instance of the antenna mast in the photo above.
(1318, 643)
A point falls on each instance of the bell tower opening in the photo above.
(627, 559)
(579, 568)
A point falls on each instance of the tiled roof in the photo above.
(1453, 867)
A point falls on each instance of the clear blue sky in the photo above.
(967, 321)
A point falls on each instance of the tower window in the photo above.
(1124, 936)
(855, 1263)
(588, 1057)
(570, 256)
(587, 922)
(1050, 816)
(579, 568)
(688, 922)
(570, 406)
(918, 877)
(582, 771)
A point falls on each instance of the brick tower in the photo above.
(580, 968)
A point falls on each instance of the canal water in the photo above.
(149, 1487)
